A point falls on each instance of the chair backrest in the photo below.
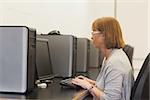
(129, 52)
(140, 90)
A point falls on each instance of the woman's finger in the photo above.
(81, 76)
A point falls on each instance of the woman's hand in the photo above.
(82, 82)
(87, 79)
(82, 77)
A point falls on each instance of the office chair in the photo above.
(129, 52)
(140, 90)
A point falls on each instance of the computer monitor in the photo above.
(62, 46)
(43, 60)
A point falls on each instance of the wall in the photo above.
(133, 16)
(75, 17)
(149, 26)
(69, 16)
(1, 14)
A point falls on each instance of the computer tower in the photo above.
(63, 54)
(96, 57)
(83, 53)
(17, 59)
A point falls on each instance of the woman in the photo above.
(115, 79)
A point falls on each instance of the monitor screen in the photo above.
(43, 61)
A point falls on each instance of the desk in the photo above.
(53, 92)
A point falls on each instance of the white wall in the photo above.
(69, 16)
(149, 25)
(76, 16)
(133, 16)
(1, 13)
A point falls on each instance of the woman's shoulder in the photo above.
(118, 57)
(119, 62)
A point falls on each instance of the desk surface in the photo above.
(53, 92)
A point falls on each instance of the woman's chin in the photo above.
(96, 46)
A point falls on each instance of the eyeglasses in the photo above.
(96, 32)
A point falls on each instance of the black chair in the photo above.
(140, 90)
(129, 52)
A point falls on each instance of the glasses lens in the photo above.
(96, 32)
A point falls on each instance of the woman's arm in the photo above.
(113, 86)
(112, 89)
(96, 92)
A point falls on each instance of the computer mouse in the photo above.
(42, 85)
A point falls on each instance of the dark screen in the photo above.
(43, 61)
